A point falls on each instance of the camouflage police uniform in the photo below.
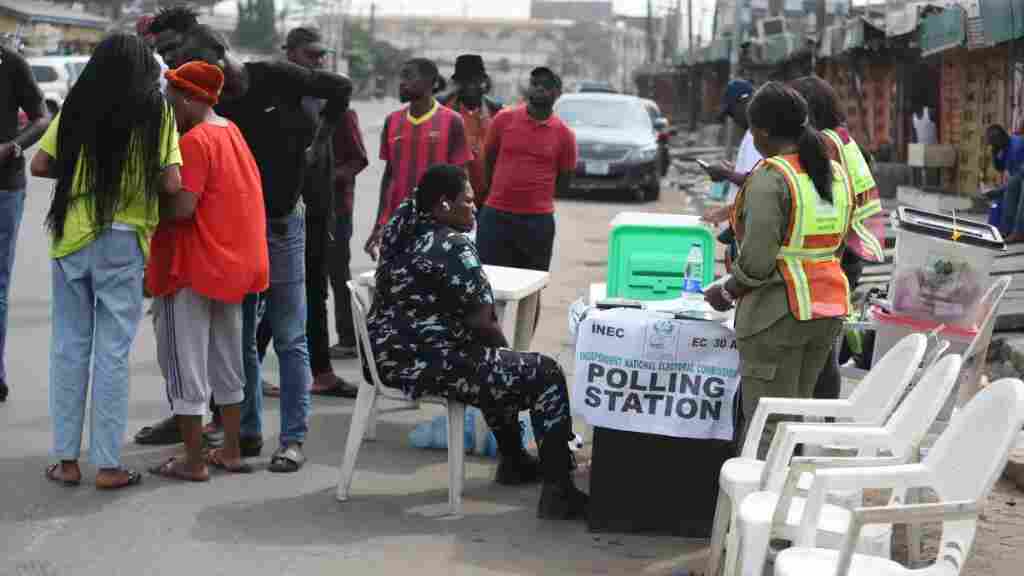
(428, 283)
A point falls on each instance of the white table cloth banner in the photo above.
(645, 372)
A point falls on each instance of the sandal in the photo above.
(54, 473)
(214, 459)
(164, 432)
(133, 478)
(287, 459)
(174, 469)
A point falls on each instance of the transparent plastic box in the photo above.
(942, 266)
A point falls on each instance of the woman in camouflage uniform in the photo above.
(434, 331)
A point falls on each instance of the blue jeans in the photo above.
(286, 307)
(97, 307)
(1013, 207)
(12, 205)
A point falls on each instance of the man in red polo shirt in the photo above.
(530, 156)
(415, 138)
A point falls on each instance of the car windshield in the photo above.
(44, 73)
(604, 114)
(75, 70)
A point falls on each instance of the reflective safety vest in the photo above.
(808, 259)
(867, 225)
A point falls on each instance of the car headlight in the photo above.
(643, 155)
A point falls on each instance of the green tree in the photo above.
(256, 25)
(365, 56)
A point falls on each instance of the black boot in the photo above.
(559, 497)
(517, 466)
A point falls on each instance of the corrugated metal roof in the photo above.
(48, 13)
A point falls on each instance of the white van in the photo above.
(55, 76)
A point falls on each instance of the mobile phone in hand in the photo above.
(702, 163)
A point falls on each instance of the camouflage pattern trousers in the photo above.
(502, 382)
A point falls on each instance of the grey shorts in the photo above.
(199, 348)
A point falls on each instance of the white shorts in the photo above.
(199, 348)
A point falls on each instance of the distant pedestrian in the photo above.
(113, 150)
(18, 90)
(530, 158)
(1008, 156)
(349, 160)
(734, 105)
(304, 46)
(206, 258)
(421, 134)
(470, 100)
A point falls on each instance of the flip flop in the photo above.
(287, 460)
(173, 469)
(134, 479)
(213, 459)
(52, 472)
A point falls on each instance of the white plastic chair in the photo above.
(364, 408)
(966, 387)
(961, 468)
(870, 404)
(775, 512)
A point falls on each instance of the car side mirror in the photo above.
(660, 124)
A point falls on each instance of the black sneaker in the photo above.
(562, 502)
(516, 471)
(251, 446)
(3, 392)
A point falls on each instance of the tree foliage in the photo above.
(256, 25)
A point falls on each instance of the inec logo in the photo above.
(661, 334)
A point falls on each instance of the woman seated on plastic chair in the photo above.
(434, 331)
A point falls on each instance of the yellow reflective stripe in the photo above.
(832, 135)
(801, 287)
(868, 239)
(869, 209)
(816, 254)
(797, 238)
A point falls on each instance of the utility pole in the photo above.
(373, 51)
(819, 17)
(734, 53)
(649, 35)
(690, 80)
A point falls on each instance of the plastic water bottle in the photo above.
(693, 274)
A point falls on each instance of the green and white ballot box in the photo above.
(661, 393)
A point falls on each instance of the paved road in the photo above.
(266, 523)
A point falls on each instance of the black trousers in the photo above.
(830, 381)
(515, 240)
(338, 268)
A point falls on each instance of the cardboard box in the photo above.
(931, 155)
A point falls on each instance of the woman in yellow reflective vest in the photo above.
(867, 228)
(791, 220)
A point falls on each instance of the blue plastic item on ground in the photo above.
(434, 434)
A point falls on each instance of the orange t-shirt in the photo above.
(221, 252)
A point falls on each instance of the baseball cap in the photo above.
(307, 37)
(736, 91)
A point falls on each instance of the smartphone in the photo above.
(702, 163)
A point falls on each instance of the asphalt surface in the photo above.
(266, 523)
